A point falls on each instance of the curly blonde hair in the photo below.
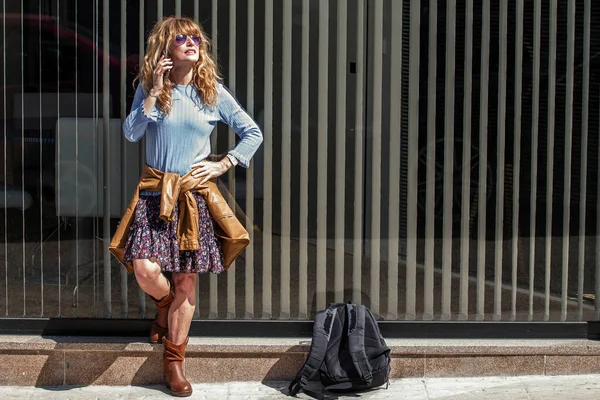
(205, 76)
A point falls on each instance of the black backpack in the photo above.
(347, 350)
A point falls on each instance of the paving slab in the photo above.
(493, 388)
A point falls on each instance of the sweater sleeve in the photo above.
(232, 113)
(136, 122)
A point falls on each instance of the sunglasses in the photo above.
(181, 39)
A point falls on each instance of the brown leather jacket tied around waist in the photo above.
(175, 188)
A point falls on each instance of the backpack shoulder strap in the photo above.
(356, 341)
(318, 347)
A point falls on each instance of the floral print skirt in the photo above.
(152, 237)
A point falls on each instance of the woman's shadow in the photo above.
(71, 364)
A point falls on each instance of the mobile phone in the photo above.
(165, 55)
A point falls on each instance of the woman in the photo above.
(177, 104)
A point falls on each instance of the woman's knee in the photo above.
(185, 283)
(146, 270)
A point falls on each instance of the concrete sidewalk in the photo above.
(513, 388)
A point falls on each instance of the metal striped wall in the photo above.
(434, 160)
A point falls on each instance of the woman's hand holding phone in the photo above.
(162, 69)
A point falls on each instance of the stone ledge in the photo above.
(44, 361)
(302, 345)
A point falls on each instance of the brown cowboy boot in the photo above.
(158, 332)
(173, 357)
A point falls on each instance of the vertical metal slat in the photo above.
(5, 156)
(286, 155)
(537, 29)
(413, 148)
(268, 179)
(501, 147)
(584, 156)
(107, 158)
(304, 105)
(340, 148)
(213, 297)
(448, 160)
(231, 144)
(466, 167)
(517, 156)
(482, 185)
(123, 78)
(214, 21)
(76, 168)
(568, 156)
(430, 180)
(249, 270)
(357, 248)
(394, 159)
(142, 144)
(41, 244)
(550, 150)
(323, 58)
(178, 8)
(23, 157)
(376, 156)
(96, 161)
(159, 9)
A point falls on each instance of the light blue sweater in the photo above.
(182, 138)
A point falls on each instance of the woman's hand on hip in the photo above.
(207, 170)
(163, 66)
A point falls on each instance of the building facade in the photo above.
(433, 160)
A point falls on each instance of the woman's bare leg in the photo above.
(182, 308)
